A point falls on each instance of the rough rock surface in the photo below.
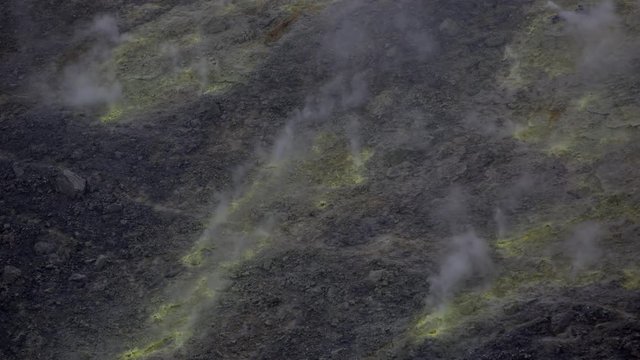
(70, 183)
(282, 179)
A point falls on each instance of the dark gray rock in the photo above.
(10, 274)
(216, 25)
(78, 277)
(70, 183)
(44, 248)
(113, 208)
(100, 262)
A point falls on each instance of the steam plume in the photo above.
(582, 247)
(91, 80)
(468, 257)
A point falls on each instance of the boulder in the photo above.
(100, 262)
(70, 183)
(44, 248)
(10, 274)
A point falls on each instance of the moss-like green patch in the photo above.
(251, 194)
(531, 240)
(332, 165)
(614, 207)
(322, 204)
(164, 311)
(195, 257)
(534, 273)
(631, 280)
(247, 255)
(449, 317)
(585, 122)
(535, 52)
(167, 343)
(113, 114)
(167, 59)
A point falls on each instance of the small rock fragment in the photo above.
(77, 277)
(216, 25)
(375, 275)
(113, 208)
(101, 261)
(10, 274)
(77, 154)
(44, 248)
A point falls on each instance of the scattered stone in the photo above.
(10, 274)
(100, 262)
(94, 180)
(113, 208)
(70, 183)
(216, 25)
(338, 352)
(376, 275)
(44, 248)
(54, 259)
(78, 277)
(99, 285)
(77, 154)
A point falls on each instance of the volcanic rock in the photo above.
(70, 183)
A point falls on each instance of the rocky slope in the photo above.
(362, 179)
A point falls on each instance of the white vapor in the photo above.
(582, 247)
(468, 257)
(91, 80)
(598, 33)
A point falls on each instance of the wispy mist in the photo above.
(352, 130)
(91, 79)
(357, 44)
(583, 246)
(468, 257)
(339, 94)
(509, 201)
(597, 30)
(454, 210)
